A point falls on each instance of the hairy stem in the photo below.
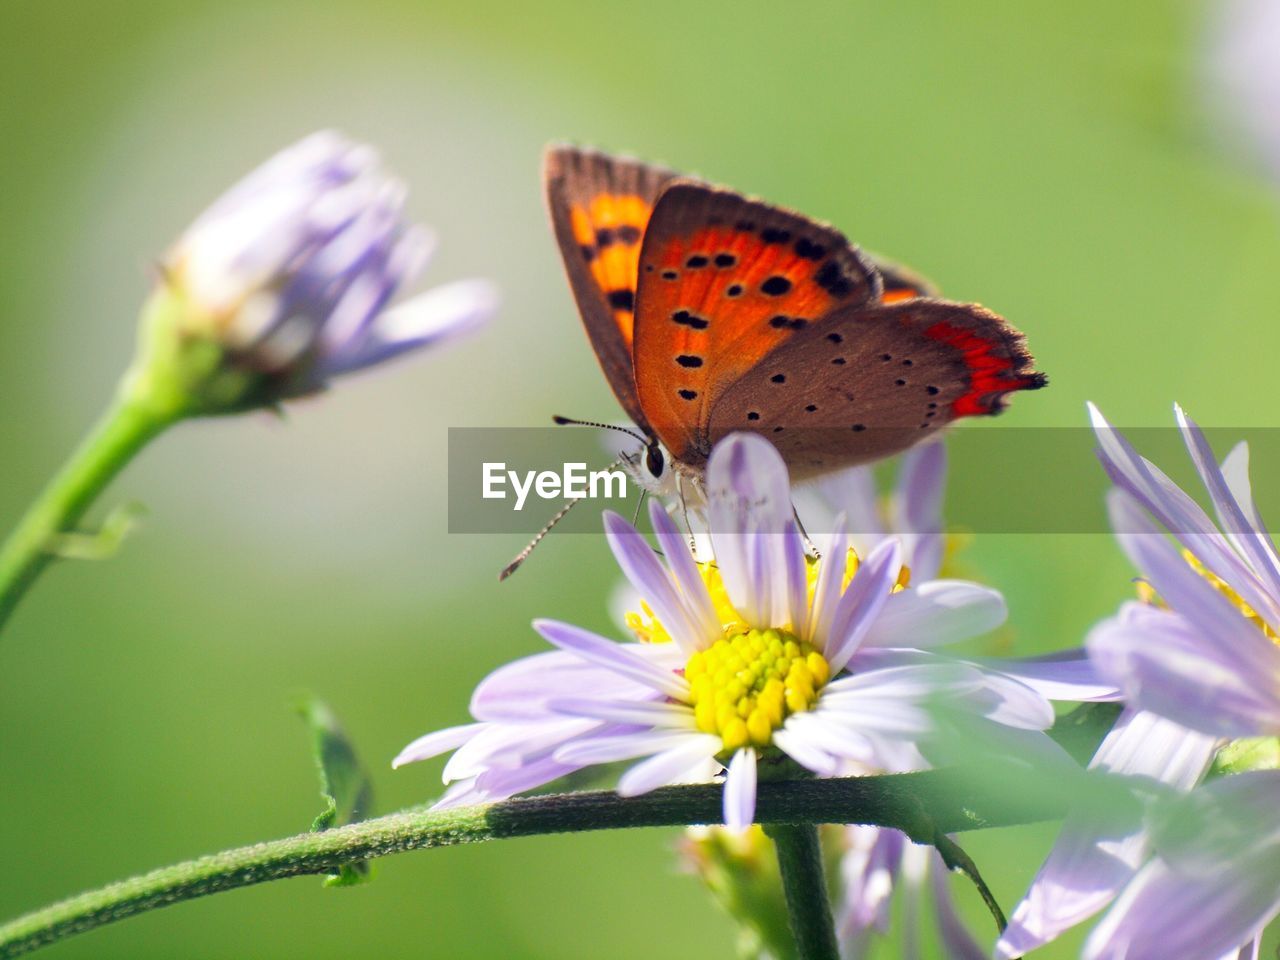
(921, 804)
(125, 428)
(804, 884)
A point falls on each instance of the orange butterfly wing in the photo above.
(724, 281)
(600, 207)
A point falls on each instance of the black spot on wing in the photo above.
(691, 320)
(809, 250)
(782, 322)
(832, 279)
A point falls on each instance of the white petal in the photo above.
(608, 749)
(664, 768)
(436, 743)
(740, 790)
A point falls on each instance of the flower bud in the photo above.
(283, 283)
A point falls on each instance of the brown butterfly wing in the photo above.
(600, 206)
(724, 282)
(867, 382)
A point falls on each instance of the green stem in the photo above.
(804, 884)
(125, 428)
(921, 804)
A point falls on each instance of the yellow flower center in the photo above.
(1225, 589)
(1147, 594)
(744, 686)
(750, 680)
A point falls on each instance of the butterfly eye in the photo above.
(654, 460)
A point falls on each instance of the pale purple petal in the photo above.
(797, 581)
(1192, 596)
(608, 749)
(669, 765)
(1229, 820)
(749, 510)
(935, 613)
(519, 691)
(652, 714)
(861, 604)
(740, 790)
(443, 313)
(1012, 703)
(801, 748)
(692, 589)
(509, 745)
(653, 581)
(826, 591)
(1177, 512)
(614, 656)
(917, 508)
(853, 492)
(1169, 667)
(1068, 675)
(1169, 915)
(920, 678)
(499, 783)
(434, 744)
(914, 866)
(1092, 859)
(1251, 541)
(1235, 471)
(957, 941)
(879, 716)
(869, 870)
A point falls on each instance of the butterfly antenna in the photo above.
(523, 555)
(570, 422)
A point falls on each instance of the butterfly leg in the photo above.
(644, 494)
(809, 545)
(684, 512)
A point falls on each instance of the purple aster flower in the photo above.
(1198, 668)
(289, 274)
(768, 656)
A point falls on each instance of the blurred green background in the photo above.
(1050, 160)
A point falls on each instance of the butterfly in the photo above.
(711, 312)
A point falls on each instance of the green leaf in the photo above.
(1253, 753)
(345, 787)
